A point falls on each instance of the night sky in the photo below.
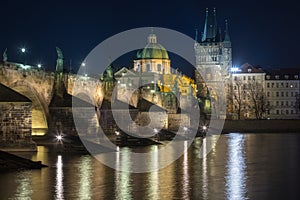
(263, 33)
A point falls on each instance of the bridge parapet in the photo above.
(89, 87)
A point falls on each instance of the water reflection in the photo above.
(59, 188)
(204, 170)
(85, 176)
(153, 176)
(122, 176)
(186, 177)
(236, 168)
(23, 181)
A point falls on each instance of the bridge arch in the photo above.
(40, 112)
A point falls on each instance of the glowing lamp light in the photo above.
(83, 64)
(23, 50)
(39, 65)
(155, 130)
(59, 137)
(204, 127)
(117, 132)
(185, 128)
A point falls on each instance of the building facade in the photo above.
(282, 91)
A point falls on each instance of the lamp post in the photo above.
(23, 51)
(84, 68)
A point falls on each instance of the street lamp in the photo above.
(39, 66)
(23, 51)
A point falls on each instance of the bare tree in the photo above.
(236, 94)
(258, 99)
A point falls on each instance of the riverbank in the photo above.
(10, 162)
(262, 126)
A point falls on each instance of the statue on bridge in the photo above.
(59, 61)
(5, 55)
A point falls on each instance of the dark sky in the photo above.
(265, 33)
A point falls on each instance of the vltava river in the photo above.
(240, 166)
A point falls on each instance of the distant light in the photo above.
(185, 128)
(83, 64)
(23, 50)
(204, 127)
(155, 130)
(117, 132)
(235, 69)
(39, 65)
(85, 75)
(59, 137)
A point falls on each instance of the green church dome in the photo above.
(153, 50)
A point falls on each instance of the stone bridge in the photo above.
(38, 86)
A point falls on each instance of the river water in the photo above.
(240, 166)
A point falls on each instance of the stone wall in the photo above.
(15, 122)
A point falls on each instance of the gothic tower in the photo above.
(213, 60)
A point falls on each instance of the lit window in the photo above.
(277, 77)
(286, 76)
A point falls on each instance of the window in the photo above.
(159, 67)
(296, 76)
(286, 76)
(292, 112)
(235, 78)
(277, 112)
(282, 84)
(282, 94)
(268, 94)
(287, 112)
(287, 94)
(235, 88)
(277, 77)
(292, 94)
(277, 103)
(268, 77)
(253, 78)
(244, 78)
(292, 103)
(296, 85)
(277, 94)
(268, 85)
(148, 66)
(277, 85)
(287, 85)
(282, 103)
(272, 85)
(287, 103)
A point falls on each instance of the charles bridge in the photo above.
(39, 86)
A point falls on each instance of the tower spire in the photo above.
(215, 25)
(205, 26)
(227, 41)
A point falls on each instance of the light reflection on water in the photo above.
(224, 174)
(59, 187)
(236, 168)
